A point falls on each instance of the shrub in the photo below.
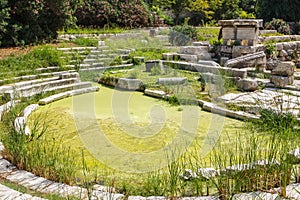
(182, 35)
(29, 22)
(279, 25)
(113, 13)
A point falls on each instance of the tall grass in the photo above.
(46, 157)
(42, 56)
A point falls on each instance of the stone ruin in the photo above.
(240, 31)
(240, 49)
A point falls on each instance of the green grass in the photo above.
(93, 31)
(41, 56)
(208, 33)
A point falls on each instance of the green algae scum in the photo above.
(126, 133)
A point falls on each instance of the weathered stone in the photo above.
(188, 174)
(256, 196)
(281, 81)
(207, 173)
(129, 84)
(201, 43)
(271, 64)
(155, 93)
(62, 95)
(188, 57)
(136, 198)
(172, 81)
(193, 50)
(251, 60)
(208, 63)
(168, 56)
(284, 69)
(211, 78)
(29, 109)
(279, 47)
(151, 64)
(248, 85)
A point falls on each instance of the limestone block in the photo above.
(281, 81)
(129, 84)
(155, 93)
(201, 43)
(284, 69)
(168, 56)
(250, 60)
(246, 33)
(208, 63)
(188, 57)
(193, 49)
(228, 33)
(29, 109)
(151, 63)
(248, 85)
(271, 64)
(279, 47)
(172, 81)
(204, 56)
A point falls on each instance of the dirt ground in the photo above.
(5, 52)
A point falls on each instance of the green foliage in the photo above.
(285, 9)
(182, 35)
(279, 25)
(44, 157)
(111, 13)
(84, 30)
(43, 56)
(277, 122)
(31, 22)
(133, 73)
(155, 71)
(85, 42)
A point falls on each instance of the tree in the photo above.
(287, 10)
(100, 13)
(35, 21)
(4, 17)
(226, 9)
(176, 6)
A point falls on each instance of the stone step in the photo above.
(5, 88)
(34, 89)
(106, 67)
(63, 95)
(8, 193)
(76, 48)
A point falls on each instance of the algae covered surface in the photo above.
(131, 122)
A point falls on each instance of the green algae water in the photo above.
(137, 131)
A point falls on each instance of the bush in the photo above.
(279, 25)
(113, 13)
(182, 35)
(29, 22)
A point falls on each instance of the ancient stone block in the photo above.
(172, 81)
(129, 84)
(284, 69)
(150, 64)
(250, 60)
(248, 85)
(281, 81)
(193, 50)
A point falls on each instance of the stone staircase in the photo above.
(97, 58)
